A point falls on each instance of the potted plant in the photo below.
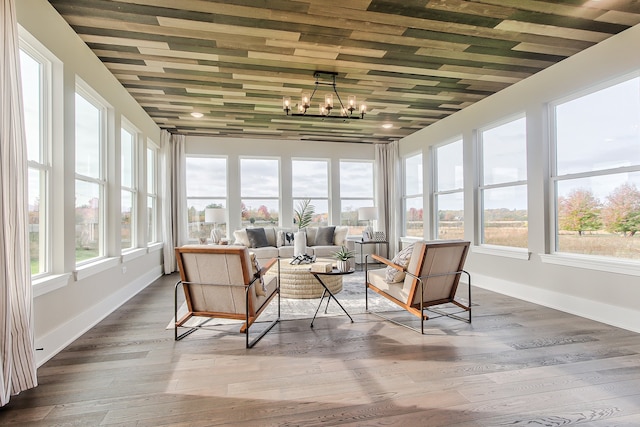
(303, 214)
(343, 256)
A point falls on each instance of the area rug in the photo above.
(351, 297)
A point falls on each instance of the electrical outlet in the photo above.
(124, 269)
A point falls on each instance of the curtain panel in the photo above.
(387, 164)
(17, 359)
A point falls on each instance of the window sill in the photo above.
(44, 285)
(133, 254)
(410, 239)
(503, 251)
(96, 267)
(155, 247)
(631, 268)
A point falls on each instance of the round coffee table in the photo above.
(297, 282)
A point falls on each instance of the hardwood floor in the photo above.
(517, 364)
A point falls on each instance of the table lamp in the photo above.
(215, 216)
(368, 214)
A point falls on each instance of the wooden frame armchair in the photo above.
(221, 281)
(431, 279)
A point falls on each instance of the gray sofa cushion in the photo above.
(257, 238)
(324, 236)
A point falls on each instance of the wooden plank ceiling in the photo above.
(412, 62)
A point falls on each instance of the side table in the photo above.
(362, 244)
(333, 272)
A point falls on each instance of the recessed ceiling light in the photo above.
(387, 125)
(197, 115)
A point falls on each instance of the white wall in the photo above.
(233, 149)
(65, 308)
(608, 292)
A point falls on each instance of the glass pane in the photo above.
(126, 215)
(37, 241)
(88, 218)
(599, 216)
(349, 215)
(414, 224)
(356, 180)
(206, 177)
(413, 175)
(260, 212)
(449, 166)
(310, 178)
(151, 219)
(504, 153)
(88, 136)
(600, 130)
(505, 220)
(450, 218)
(259, 178)
(320, 211)
(31, 98)
(151, 171)
(126, 158)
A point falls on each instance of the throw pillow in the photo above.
(261, 288)
(257, 238)
(285, 238)
(340, 234)
(324, 236)
(241, 238)
(402, 258)
(311, 235)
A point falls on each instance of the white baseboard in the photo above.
(619, 317)
(56, 340)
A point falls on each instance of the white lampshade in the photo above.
(368, 213)
(215, 215)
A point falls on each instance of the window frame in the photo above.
(224, 198)
(297, 199)
(126, 126)
(358, 228)
(482, 187)
(406, 197)
(152, 193)
(436, 192)
(44, 165)
(277, 199)
(91, 96)
(608, 263)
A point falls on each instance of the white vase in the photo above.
(343, 265)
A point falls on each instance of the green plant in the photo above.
(344, 254)
(303, 214)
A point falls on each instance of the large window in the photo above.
(356, 191)
(448, 195)
(129, 193)
(413, 196)
(260, 191)
(206, 188)
(90, 177)
(36, 75)
(152, 193)
(503, 184)
(310, 181)
(596, 173)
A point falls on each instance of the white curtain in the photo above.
(18, 370)
(387, 164)
(174, 198)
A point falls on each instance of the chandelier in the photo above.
(326, 107)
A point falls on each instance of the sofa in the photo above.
(271, 242)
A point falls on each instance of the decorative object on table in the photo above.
(300, 243)
(343, 256)
(369, 213)
(379, 236)
(321, 267)
(303, 214)
(303, 259)
(215, 216)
